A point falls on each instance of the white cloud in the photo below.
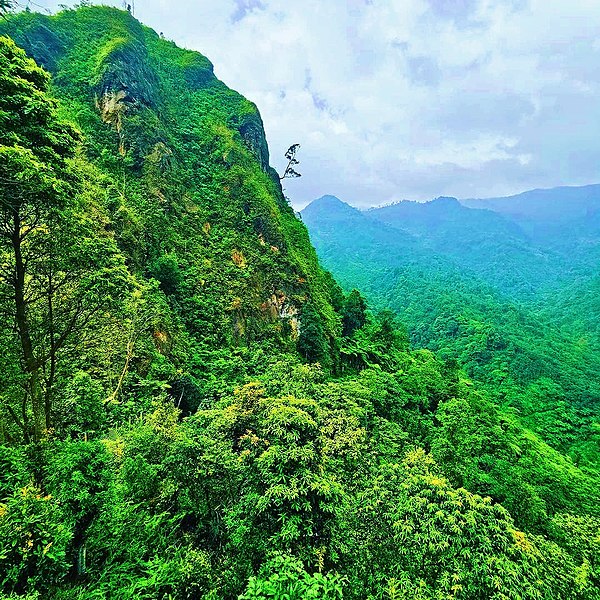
(413, 98)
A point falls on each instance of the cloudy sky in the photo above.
(394, 99)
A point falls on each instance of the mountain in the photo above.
(328, 217)
(526, 247)
(450, 287)
(196, 181)
(563, 221)
(191, 407)
(551, 206)
(483, 242)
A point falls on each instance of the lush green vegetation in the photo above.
(455, 276)
(190, 407)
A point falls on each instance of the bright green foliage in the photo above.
(423, 539)
(33, 541)
(475, 288)
(200, 411)
(487, 451)
(579, 535)
(287, 580)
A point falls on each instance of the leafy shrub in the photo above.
(284, 578)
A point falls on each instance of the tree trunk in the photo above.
(53, 350)
(31, 364)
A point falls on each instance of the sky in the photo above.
(395, 99)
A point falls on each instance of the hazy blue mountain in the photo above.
(551, 206)
(484, 242)
(337, 229)
(524, 246)
(563, 221)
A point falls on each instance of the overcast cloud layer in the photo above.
(408, 98)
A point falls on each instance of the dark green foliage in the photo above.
(122, 72)
(214, 418)
(354, 314)
(312, 342)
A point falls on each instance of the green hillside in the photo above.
(190, 406)
(441, 285)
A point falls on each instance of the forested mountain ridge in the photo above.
(191, 194)
(554, 205)
(488, 244)
(563, 221)
(190, 407)
(458, 286)
(162, 104)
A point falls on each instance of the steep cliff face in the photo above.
(123, 80)
(252, 131)
(194, 201)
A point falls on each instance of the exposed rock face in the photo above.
(112, 106)
(41, 43)
(278, 307)
(252, 131)
(123, 78)
(123, 83)
(46, 47)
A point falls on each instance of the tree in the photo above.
(312, 341)
(290, 154)
(417, 537)
(34, 147)
(390, 331)
(58, 265)
(355, 313)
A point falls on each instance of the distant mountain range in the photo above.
(554, 205)
(505, 286)
(524, 246)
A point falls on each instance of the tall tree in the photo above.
(312, 340)
(55, 266)
(290, 154)
(355, 313)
